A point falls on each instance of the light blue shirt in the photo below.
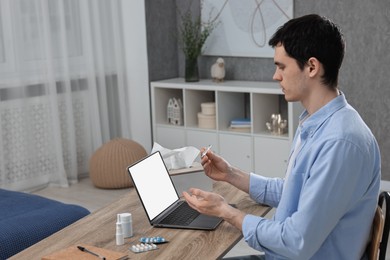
(327, 207)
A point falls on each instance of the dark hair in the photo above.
(313, 36)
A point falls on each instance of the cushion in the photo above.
(25, 219)
(108, 164)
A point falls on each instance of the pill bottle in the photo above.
(127, 224)
(120, 240)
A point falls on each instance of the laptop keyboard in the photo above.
(182, 215)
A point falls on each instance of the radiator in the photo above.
(26, 125)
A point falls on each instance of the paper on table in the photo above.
(177, 158)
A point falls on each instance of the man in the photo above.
(326, 203)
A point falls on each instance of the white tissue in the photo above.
(177, 158)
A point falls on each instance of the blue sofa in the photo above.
(25, 219)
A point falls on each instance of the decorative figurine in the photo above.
(218, 70)
(277, 125)
(175, 111)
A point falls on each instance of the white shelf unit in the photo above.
(256, 150)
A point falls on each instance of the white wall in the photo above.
(133, 13)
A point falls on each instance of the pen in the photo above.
(205, 151)
(89, 251)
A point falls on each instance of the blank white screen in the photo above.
(154, 184)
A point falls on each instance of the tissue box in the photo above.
(206, 121)
(193, 177)
(199, 180)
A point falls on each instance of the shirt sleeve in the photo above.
(265, 190)
(324, 190)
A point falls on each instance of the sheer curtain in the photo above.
(62, 88)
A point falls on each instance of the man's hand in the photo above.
(214, 205)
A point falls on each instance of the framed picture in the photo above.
(244, 26)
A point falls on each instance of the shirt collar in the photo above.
(312, 123)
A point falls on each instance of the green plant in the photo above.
(193, 34)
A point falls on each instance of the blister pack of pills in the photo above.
(154, 240)
(140, 248)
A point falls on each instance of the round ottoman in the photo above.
(108, 164)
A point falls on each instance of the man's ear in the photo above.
(314, 66)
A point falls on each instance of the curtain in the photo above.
(62, 88)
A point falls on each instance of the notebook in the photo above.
(160, 199)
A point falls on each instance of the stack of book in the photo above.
(240, 124)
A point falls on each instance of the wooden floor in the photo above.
(83, 193)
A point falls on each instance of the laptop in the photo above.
(160, 199)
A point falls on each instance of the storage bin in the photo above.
(206, 121)
(208, 108)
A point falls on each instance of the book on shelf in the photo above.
(73, 252)
(240, 126)
(240, 121)
(241, 129)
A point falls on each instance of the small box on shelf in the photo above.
(206, 118)
(206, 121)
(208, 108)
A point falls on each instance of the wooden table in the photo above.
(98, 229)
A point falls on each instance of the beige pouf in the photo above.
(108, 164)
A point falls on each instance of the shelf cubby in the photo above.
(193, 101)
(161, 102)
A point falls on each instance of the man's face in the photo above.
(292, 79)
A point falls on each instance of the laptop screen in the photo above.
(154, 184)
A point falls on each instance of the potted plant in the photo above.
(193, 34)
